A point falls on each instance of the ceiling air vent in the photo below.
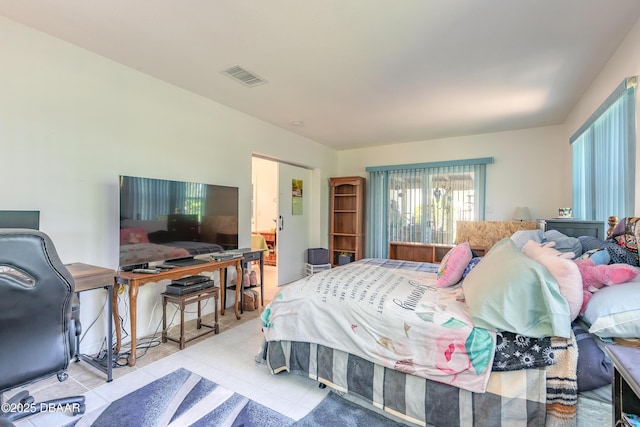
(243, 76)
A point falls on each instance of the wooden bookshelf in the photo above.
(347, 207)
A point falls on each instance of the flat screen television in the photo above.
(172, 222)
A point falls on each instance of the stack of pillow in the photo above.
(497, 287)
(531, 288)
(523, 270)
(510, 291)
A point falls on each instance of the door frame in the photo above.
(311, 210)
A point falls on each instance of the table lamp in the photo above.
(522, 214)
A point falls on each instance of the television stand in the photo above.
(135, 280)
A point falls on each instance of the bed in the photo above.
(470, 378)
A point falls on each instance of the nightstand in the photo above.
(181, 301)
(626, 381)
(576, 227)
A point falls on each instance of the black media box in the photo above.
(189, 289)
(317, 256)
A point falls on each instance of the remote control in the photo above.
(145, 270)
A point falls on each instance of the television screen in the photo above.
(173, 221)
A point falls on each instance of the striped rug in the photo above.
(183, 398)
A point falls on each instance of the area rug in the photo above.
(183, 398)
(337, 411)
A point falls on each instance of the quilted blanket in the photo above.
(392, 317)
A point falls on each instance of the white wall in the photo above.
(624, 63)
(71, 122)
(528, 168)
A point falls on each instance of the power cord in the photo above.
(94, 320)
(146, 343)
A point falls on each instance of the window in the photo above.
(603, 158)
(422, 202)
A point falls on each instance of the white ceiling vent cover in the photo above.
(243, 76)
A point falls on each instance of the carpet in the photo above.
(337, 411)
(183, 398)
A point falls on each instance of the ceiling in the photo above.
(358, 73)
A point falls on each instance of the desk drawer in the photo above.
(252, 256)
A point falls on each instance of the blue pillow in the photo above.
(598, 256)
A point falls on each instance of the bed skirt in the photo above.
(513, 398)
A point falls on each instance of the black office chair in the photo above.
(38, 331)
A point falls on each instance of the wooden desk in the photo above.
(87, 277)
(135, 280)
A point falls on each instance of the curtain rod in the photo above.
(628, 84)
(465, 162)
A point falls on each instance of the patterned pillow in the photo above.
(474, 261)
(515, 351)
(628, 235)
(620, 255)
(627, 241)
(453, 265)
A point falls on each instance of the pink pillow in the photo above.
(453, 265)
(129, 236)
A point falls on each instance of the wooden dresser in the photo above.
(424, 252)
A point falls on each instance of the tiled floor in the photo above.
(227, 359)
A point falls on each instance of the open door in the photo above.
(294, 224)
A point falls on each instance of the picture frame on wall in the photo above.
(296, 197)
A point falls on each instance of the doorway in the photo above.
(264, 217)
(281, 215)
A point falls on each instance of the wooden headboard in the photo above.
(488, 233)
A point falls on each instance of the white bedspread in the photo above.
(396, 318)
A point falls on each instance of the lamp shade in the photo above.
(522, 214)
